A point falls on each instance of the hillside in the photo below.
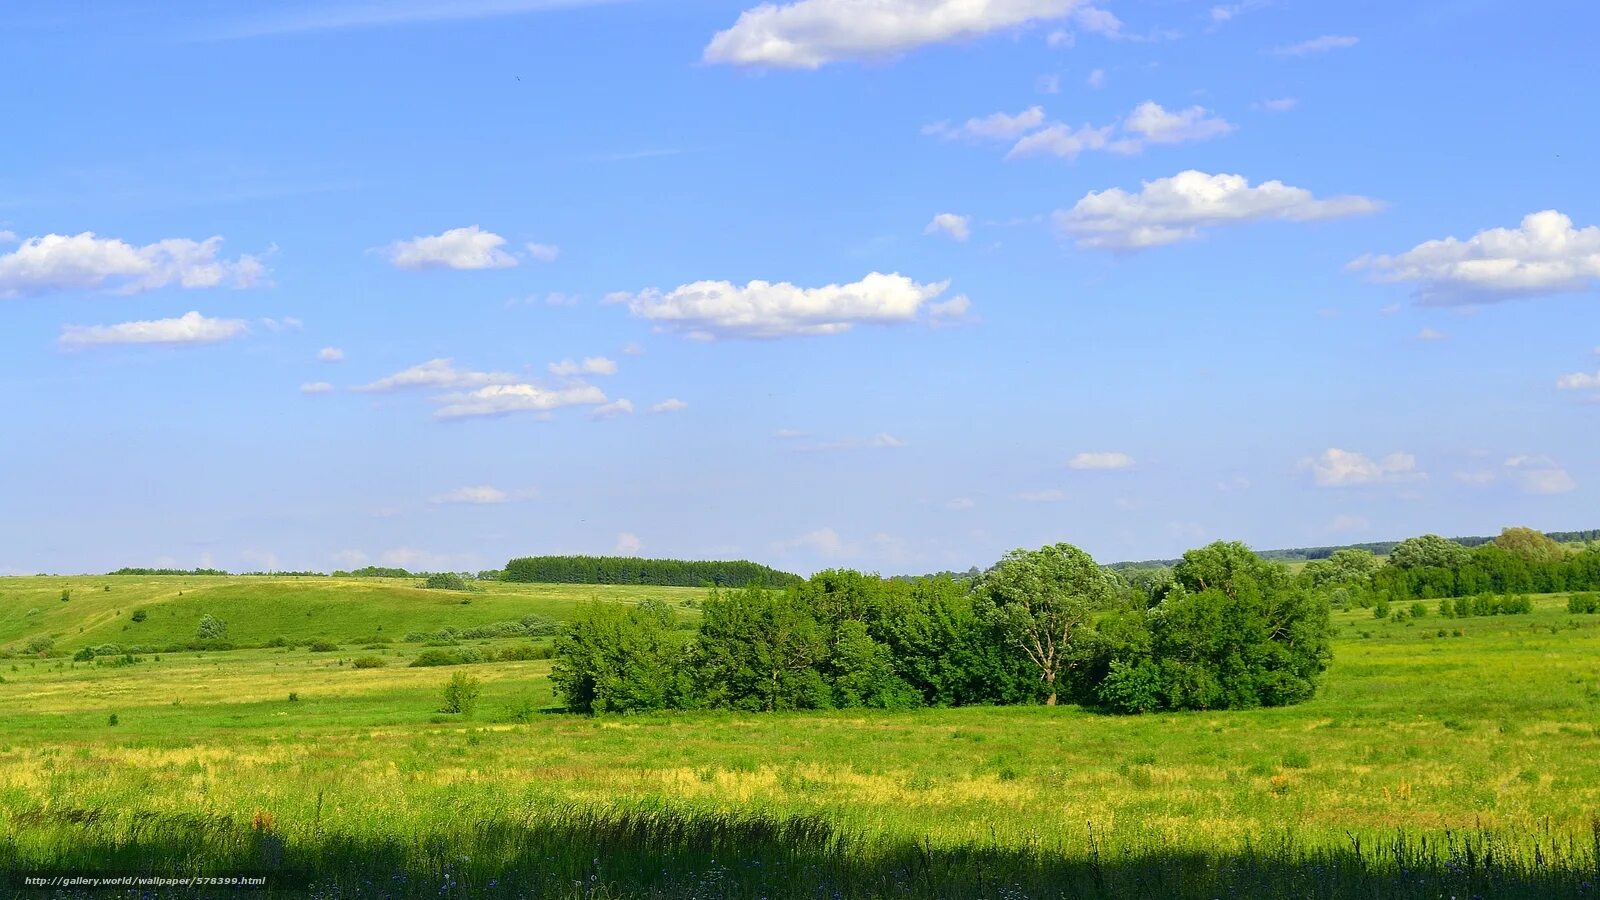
(257, 609)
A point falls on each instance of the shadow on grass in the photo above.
(670, 853)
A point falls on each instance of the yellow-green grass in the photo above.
(1495, 729)
(258, 609)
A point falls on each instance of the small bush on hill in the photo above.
(461, 694)
(446, 581)
(139, 615)
(211, 628)
(1583, 603)
(323, 646)
(444, 657)
(368, 662)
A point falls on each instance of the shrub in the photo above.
(444, 657)
(84, 655)
(65, 595)
(140, 615)
(461, 694)
(1583, 603)
(368, 662)
(1380, 610)
(1513, 605)
(294, 697)
(211, 628)
(1418, 610)
(323, 646)
(112, 719)
(1131, 688)
(1447, 608)
(446, 581)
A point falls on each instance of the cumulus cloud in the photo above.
(1100, 461)
(1179, 208)
(1154, 125)
(1317, 45)
(189, 328)
(708, 310)
(808, 34)
(60, 262)
(591, 365)
(1536, 474)
(669, 406)
(1063, 141)
(1544, 255)
(612, 410)
(956, 227)
(1347, 468)
(458, 248)
(436, 373)
(316, 387)
(1579, 381)
(480, 495)
(502, 399)
(993, 127)
(628, 544)
(330, 354)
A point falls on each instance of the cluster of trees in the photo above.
(631, 570)
(1227, 630)
(1430, 567)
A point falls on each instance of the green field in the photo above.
(1442, 757)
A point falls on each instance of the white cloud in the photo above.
(1544, 255)
(707, 310)
(7, 237)
(437, 373)
(458, 248)
(316, 387)
(628, 544)
(1174, 209)
(1429, 335)
(591, 365)
(1049, 495)
(1579, 381)
(1154, 125)
(1536, 474)
(1279, 104)
(808, 34)
(501, 399)
(480, 495)
(669, 406)
(879, 441)
(189, 328)
(1317, 45)
(1096, 79)
(994, 127)
(633, 349)
(330, 354)
(1347, 468)
(287, 323)
(960, 504)
(59, 262)
(957, 227)
(613, 409)
(543, 252)
(1100, 461)
(1149, 123)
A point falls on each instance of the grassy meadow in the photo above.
(1443, 757)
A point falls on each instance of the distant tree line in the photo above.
(635, 571)
(1228, 630)
(1518, 561)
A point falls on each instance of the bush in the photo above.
(1418, 610)
(1583, 603)
(323, 646)
(446, 581)
(211, 628)
(140, 615)
(84, 655)
(1131, 688)
(443, 657)
(1380, 610)
(1447, 608)
(368, 662)
(461, 694)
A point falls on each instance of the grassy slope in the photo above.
(258, 609)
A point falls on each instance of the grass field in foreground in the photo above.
(1432, 750)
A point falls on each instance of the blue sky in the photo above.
(895, 285)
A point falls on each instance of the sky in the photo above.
(895, 285)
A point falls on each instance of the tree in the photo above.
(211, 628)
(1532, 546)
(1229, 567)
(1343, 567)
(614, 658)
(1041, 599)
(461, 694)
(863, 671)
(760, 650)
(1429, 551)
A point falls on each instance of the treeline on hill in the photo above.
(1377, 548)
(1228, 630)
(632, 570)
(1518, 561)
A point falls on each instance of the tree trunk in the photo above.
(1050, 679)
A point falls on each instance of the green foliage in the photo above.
(1418, 610)
(446, 581)
(368, 662)
(1380, 609)
(84, 655)
(614, 658)
(461, 694)
(323, 646)
(211, 628)
(1041, 599)
(1429, 551)
(441, 656)
(630, 570)
(1584, 603)
(1131, 687)
(863, 671)
(761, 650)
(1529, 545)
(139, 615)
